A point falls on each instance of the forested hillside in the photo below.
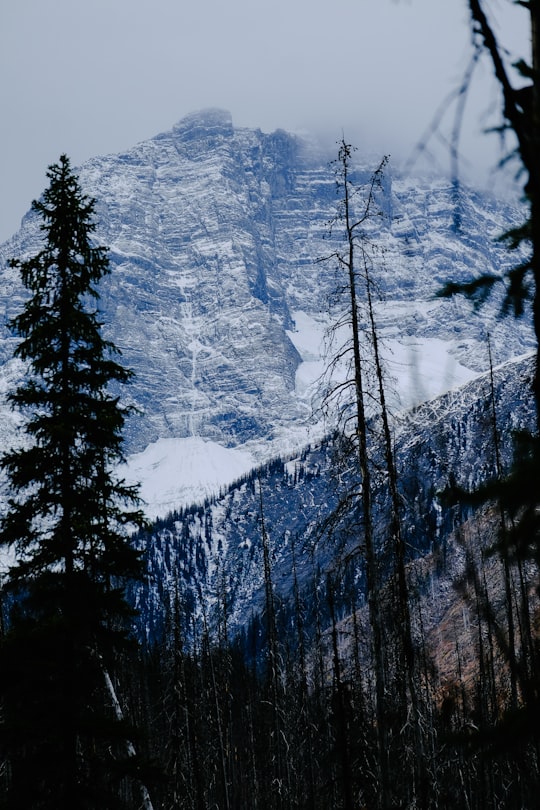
(256, 620)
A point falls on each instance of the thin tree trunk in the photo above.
(279, 757)
(217, 708)
(344, 753)
(363, 463)
(304, 690)
(130, 748)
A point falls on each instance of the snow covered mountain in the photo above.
(220, 307)
(215, 551)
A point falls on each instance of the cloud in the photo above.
(94, 78)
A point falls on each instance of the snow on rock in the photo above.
(220, 305)
(308, 338)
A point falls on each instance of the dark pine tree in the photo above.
(64, 738)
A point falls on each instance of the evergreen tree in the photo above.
(67, 522)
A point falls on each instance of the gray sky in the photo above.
(90, 78)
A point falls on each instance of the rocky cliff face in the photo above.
(217, 300)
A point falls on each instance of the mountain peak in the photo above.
(211, 121)
(220, 305)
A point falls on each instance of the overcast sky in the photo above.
(90, 77)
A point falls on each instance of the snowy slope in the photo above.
(178, 472)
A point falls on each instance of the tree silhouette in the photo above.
(67, 618)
